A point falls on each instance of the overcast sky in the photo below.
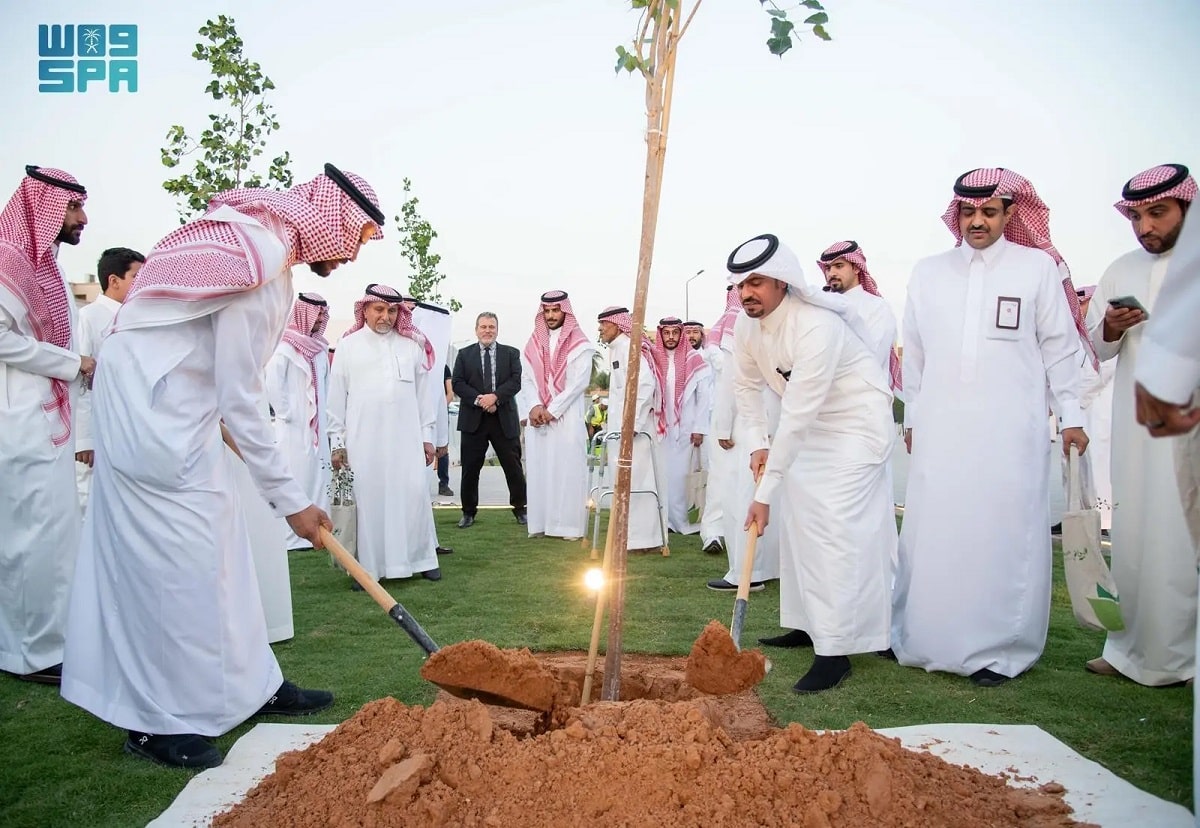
(526, 149)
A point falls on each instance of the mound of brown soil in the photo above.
(716, 666)
(666, 761)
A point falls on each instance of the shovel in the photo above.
(407, 623)
(742, 602)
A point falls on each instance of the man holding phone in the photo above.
(1153, 560)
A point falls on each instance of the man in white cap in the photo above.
(985, 322)
(556, 367)
(646, 521)
(382, 428)
(686, 387)
(730, 481)
(1153, 558)
(825, 467)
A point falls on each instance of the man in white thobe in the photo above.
(1167, 394)
(687, 389)
(712, 516)
(825, 466)
(647, 514)
(115, 270)
(39, 510)
(1153, 558)
(297, 386)
(556, 367)
(986, 329)
(730, 481)
(434, 323)
(381, 428)
(166, 635)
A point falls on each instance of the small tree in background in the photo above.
(416, 236)
(229, 149)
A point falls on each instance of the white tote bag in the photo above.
(342, 512)
(697, 487)
(1094, 598)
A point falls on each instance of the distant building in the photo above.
(85, 292)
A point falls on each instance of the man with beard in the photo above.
(381, 426)
(986, 329)
(825, 467)
(687, 389)
(166, 635)
(556, 367)
(116, 270)
(39, 510)
(1153, 560)
(844, 264)
(647, 519)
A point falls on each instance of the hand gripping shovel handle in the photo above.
(382, 596)
(743, 592)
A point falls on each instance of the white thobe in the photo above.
(712, 517)
(730, 481)
(376, 412)
(166, 631)
(1153, 557)
(556, 470)
(39, 511)
(296, 401)
(1169, 368)
(682, 457)
(973, 588)
(95, 319)
(826, 471)
(647, 522)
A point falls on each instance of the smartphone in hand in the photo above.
(1129, 303)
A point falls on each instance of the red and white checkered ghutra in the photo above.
(1163, 181)
(551, 373)
(1029, 226)
(29, 227)
(306, 333)
(855, 256)
(403, 324)
(621, 317)
(724, 326)
(687, 361)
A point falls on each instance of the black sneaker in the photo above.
(721, 585)
(290, 700)
(434, 574)
(713, 547)
(445, 491)
(186, 750)
(988, 678)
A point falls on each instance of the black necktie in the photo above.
(487, 369)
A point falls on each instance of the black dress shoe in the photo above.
(467, 520)
(51, 675)
(826, 673)
(444, 550)
(1056, 529)
(888, 654)
(713, 547)
(180, 750)
(434, 574)
(988, 678)
(521, 519)
(791, 638)
(290, 700)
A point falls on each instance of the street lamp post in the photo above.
(687, 313)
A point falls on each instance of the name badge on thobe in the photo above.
(616, 364)
(1008, 312)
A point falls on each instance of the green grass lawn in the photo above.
(60, 766)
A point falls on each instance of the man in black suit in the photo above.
(487, 377)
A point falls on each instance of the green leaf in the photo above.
(781, 29)
(776, 12)
(779, 45)
(817, 19)
(820, 32)
(812, 4)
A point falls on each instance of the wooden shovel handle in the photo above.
(743, 592)
(372, 587)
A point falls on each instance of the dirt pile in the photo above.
(640, 762)
(716, 666)
(478, 668)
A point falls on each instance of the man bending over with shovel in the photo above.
(165, 630)
(825, 469)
